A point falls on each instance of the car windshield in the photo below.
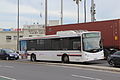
(117, 53)
(9, 51)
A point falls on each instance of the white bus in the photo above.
(65, 46)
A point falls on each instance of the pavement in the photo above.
(96, 67)
(41, 70)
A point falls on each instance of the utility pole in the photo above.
(85, 16)
(45, 13)
(77, 2)
(61, 12)
(78, 11)
(93, 11)
(18, 29)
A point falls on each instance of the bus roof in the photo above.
(61, 34)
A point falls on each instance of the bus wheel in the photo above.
(33, 57)
(65, 58)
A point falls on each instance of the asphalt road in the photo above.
(96, 63)
(34, 71)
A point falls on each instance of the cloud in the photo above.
(6, 7)
(30, 11)
(8, 24)
(8, 16)
(12, 8)
(107, 9)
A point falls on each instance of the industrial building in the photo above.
(8, 37)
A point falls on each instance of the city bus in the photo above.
(65, 46)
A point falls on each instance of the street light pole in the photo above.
(85, 16)
(78, 11)
(93, 11)
(77, 2)
(61, 12)
(18, 28)
(45, 13)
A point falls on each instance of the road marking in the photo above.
(68, 66)
(9, 66)
(62, 66)
(85, 77)
(6, 66)
(97, 70)
(7, 78)
(0, 65)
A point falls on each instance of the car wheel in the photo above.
(65, 59)
(33, 57)
(7, 58)
(17, 58)
(111, 62)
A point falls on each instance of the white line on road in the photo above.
(85, 77)
(7, 78)
(6, 66)
(84, 69)
(0, 65)
(9, 66)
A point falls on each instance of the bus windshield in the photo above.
(92, 44)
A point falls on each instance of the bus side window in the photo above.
(79, 47)
(76, 45)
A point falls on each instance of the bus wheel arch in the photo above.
(65, 58)
(33, 57)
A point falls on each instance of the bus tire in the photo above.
(65, 59)
(33, 58)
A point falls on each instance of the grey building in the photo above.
(8, 39)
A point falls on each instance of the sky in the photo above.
(32, 11)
